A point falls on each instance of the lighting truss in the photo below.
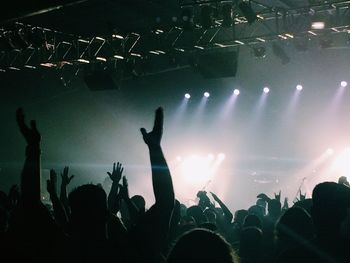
(273, 24)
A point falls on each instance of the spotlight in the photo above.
(318, 25)
(299, 87)
(221, 156)
(343, 84)
(266, 90)
(236, 92)
(330, 151)
(206, 94)
(187, 19)
(247, 12)
(259, 52)
(187, 96)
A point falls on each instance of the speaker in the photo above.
(100, 80)
(216, 64)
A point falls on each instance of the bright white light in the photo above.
(299, 87)
(178, 158)
(330, 151)
(318, 25)
(342, 163)
(343, 84)
(187, 96)
(196, 169)
(221, 156)
(236, 92)
(211, 156)
(266, 90)
(206, 94)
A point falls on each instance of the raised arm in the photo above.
(161, 178)
(65, 180)
(225, 210)
(113, 198)
(30, 178)
(59, 211)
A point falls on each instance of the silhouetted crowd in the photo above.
(87, 225)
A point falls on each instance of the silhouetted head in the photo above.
(88, 205)
(250, 242)
(210, 215)
(274, 208)
(196, 212)
(139, 202)
(252, 221)
(257, 210)
(240, 216)
(200, 245)
(329, 209)
(343, 180)
(294, 227)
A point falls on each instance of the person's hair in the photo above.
(252, 221)
(88, 205)
(294, 225)
(139, 202)
(250, 242)
(201, 245)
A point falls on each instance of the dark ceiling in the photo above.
(99, 17)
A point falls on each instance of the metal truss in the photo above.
(22, 46)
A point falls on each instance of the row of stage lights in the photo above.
(266, 90)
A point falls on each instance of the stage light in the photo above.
(206, 94)
(343, 84)
(187, 96)
(259, 52)
(196, 169)
(221, 156)
(330, 151)
(342, 163)
(318, 25)
(178, 158)
(299, 87)
(236, 92)
(266, 90)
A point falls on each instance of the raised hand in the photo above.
(31, 134)
(278, 196)
(51, 184)
(216, 198)
(301, 196)
(117, 173)
(65, 178)
(124, 189)
(154, 137)
(285, 204)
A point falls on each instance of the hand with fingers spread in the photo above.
(117, 173)
(51, 184)
(153, 138)
(65, 178)
(31, 134)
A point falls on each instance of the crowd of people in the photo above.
(89, 225)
